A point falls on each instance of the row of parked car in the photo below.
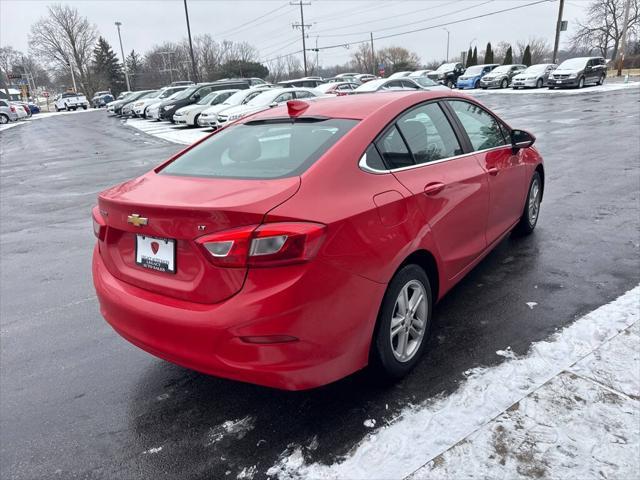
(213, 104)
(574, 72)
(13, 111)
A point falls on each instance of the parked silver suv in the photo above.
(577, 72)
(500, 77)
(7, 112)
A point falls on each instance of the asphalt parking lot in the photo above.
(77, 401)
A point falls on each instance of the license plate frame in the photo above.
(163, 260)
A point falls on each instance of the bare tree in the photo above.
(602, 30)
(67, 39)
(540, 50)
(8, 58)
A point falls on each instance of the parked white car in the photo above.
(141, 105)
(189, 115)
(400, 74)
(153, 110)
(399, 84)
(127, 109)
(209, 117)
(535, 76)
(70, 101)
(420, 73)
(267, 99)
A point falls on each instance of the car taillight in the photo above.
(267, 245)
(26, 109)
(99, 225)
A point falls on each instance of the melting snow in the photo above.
(153, 450)
(562, 410)
(235, 428)
(531, 304)
(370, 423)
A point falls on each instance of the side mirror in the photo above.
(521, 139)
(195, 96)
(273, 104)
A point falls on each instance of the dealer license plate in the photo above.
(157, 254)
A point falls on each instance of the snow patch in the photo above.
(235, 428)
(247, 473)
(152, 450)
(422, 434)
(370, 423)
(531, 304)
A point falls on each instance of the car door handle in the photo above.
(493, 171)
(433, 188)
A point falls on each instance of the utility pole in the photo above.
(623, 39)
(373, 55)
(447, 43)
(73, 78)
(302, 26)
(193, 61)
(124, 60)
(317, 57)
(558, 26)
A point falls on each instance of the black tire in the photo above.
(581, 82)
(484, 88)
(56, 107)
(601, 79)
(84, 107)
(195, 120)
(504, 83)
(526, 226)
(4, 119)
(477, 84)
(450, 84)
(384, 366)
(539, 83)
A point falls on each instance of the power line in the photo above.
(453, 22)
(384, 19)
(238, 27)
(415, 22)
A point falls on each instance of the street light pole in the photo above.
(446, 30)
(124, 60)
(193, 61)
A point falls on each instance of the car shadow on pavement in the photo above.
(215, 428)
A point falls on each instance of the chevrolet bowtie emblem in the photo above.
(137, 220)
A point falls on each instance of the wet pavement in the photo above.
(77, 401)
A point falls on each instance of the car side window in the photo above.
(373, 158)
(409, 85)
(429, 134)
(303, 94)
(481, 127)
(392, 85)
(393, 149)
(284, 97)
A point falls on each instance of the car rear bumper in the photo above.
(330, 312)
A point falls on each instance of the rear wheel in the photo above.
(477, 84)
(4, 119)
(531, 212)
(581, 82)
(601, 80)
(403, 324)
(539, 83)
(504, 83)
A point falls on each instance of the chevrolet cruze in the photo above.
(308, 241)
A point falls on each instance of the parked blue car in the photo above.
(472, 75)
(34, 108)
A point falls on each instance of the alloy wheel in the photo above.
(534, 201)
(409, 321)
(504, 83)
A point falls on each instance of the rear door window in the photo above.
(429, 134)
(393, 149)
(261, 149)
(481, 127)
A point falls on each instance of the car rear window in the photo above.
(261, 149)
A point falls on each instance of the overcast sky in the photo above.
(147, 22)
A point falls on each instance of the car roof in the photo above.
(355, 106)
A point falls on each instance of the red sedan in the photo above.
(305, 242)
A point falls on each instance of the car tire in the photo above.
(477, 84)
(539, 83)
(4, 119)
(484, 88)
(504, 83)
(601, 79)
(581, 82)
(531, 211)
(385, 360)
(550, 87)
(84, 107)
(450, 84)
(195, 121)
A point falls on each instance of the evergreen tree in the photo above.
(488, 54)
(508, 57)
(134, 66)
(526, 56)
(469, 57)
(107, 67)
(475, 56)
